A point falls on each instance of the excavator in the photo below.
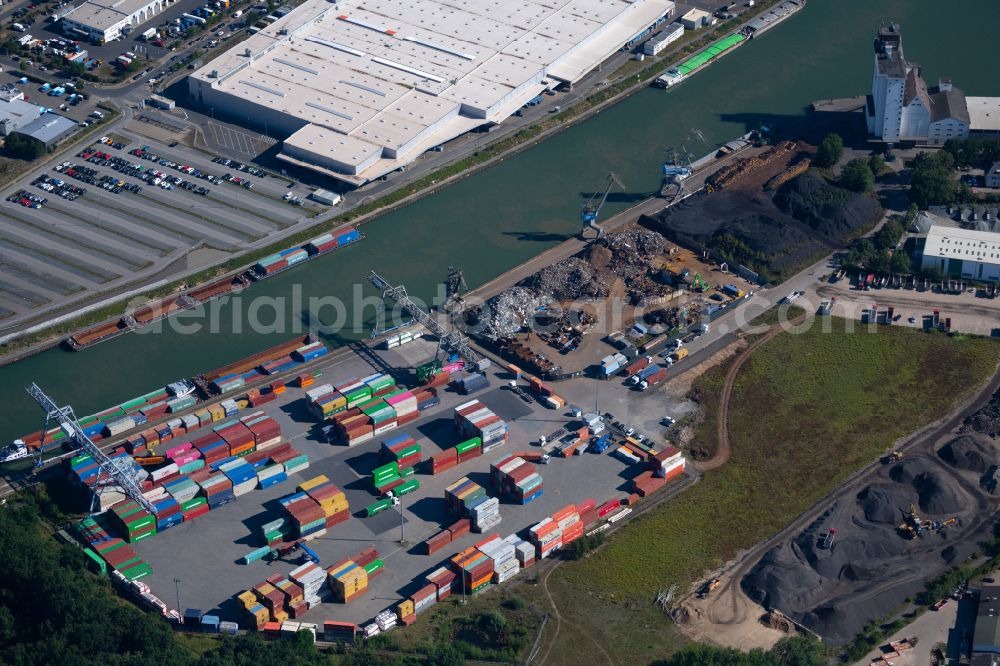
(893, 457)
(708, 587)
(914, 527)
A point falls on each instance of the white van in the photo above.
(97, 114)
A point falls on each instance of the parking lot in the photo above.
(132, 210)
(203, 554)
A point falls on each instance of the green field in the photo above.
(808, 410)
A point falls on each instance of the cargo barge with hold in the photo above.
(174, 398)
(721, 47)
(265, 268)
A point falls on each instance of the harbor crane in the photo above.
(676, 169)
(592, 208)
(118, 472)
(451, 341)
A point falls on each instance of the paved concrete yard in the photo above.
(203, 554)
(64, 252)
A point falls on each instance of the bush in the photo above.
(829, 152)
(22, 148)
(932, 181)
(857, 176)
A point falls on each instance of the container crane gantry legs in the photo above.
(117, 471)
(452, 341)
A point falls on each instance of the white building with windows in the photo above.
(902, 108)
(965, 253)
(103, 21)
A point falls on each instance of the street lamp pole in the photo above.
(177, 588)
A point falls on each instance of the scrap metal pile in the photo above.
(624, 255)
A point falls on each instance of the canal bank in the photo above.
(521, 206)
(511, 139)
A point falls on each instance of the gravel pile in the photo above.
(973, 452)
(870, 568)
(884, 504)
(830, 210)
(986, 420)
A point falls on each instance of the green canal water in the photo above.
(503, 216)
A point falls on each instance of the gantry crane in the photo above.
(591, 209)
(450, 341)
(120, 472)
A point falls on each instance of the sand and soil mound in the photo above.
(973, 452)
(986, 420)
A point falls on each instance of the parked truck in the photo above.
(680, 354)
(653, 379)
(641, 376)
(638, 364)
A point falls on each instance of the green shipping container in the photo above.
(374, 566)
(193, 503)
(140, 537)
(408, 486)
(135, 402)
(381, 383)
(375, 507)
(382, 483)
(139, 571)
(391, 469)
(95, 561)
(468, 445)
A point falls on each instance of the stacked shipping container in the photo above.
(474, 419)
(517, 479)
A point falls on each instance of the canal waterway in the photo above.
(500, 217)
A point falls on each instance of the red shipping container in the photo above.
(407, 418)
(438, 541)
(459, 528)
(367, 556)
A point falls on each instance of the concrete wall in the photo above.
(202, 93)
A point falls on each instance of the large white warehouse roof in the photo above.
(365, 86)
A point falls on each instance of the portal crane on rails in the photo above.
(591, 209)
(118, 472)
(453, 341)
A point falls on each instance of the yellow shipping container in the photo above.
(279, 615)
(337, 568)
(308, 485)
(405, 607)
(247, 598)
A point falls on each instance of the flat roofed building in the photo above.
(15, 112)
(962, 253)
(108, 20)
(984, 116)
(363, 87)
(986, 639)
(695, 18)
(48, 129)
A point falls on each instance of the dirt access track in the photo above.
(870, 569)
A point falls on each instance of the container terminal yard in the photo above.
(447, 447)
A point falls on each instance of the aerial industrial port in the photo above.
(745, 396)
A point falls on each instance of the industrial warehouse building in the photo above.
(963, 253)
(363, 87)
(48, 130)
(103, 21)
(15, 111)
(986, 639)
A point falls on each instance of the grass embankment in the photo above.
(807, 411)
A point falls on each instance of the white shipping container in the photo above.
(245, 487)
(164, 472)
(386, 620)
(319, 391)
(425, 603)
